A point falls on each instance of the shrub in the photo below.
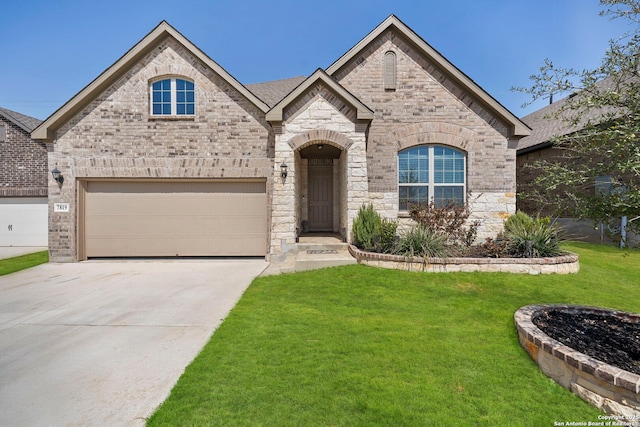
(423, 242)
(366, 229)
(518, 221)
(373, 233)
(532, 237)
(494, 248)
(388, 229)
(448, 221)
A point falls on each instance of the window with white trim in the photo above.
(172, 97)
(431, 172)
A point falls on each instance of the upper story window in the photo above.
(389, 71)
(431, 172)
(172, 97)
(3, 133)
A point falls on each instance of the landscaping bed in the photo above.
(563, 264)
(602, 335)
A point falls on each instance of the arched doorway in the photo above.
(320, 181)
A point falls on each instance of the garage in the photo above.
(24, 221)
(173, 218)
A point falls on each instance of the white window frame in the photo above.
(174, 97)
(431, 184)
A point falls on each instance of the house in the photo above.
(165, 153)
(547, 123)
(23, 182)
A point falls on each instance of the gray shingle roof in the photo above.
(273, 92)
(544, 126)
(26, 123)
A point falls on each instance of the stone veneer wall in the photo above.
(429, 108)
(318, 116)
(115, 137)
(566, 264)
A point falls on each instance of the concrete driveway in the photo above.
(101, 343)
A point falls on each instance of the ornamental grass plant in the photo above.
(529, 237)
(422, 242)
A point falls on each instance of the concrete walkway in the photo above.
(102, 343)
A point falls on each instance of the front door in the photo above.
(320, 198)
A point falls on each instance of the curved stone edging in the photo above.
(565, 264)
(611, 389)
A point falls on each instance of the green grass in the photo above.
(11, 265)
(358, 346)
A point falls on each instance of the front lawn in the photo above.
(11, 265)
(359, 346)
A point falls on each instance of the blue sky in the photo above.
(50, 50)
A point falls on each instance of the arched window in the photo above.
(431, 172)
(389, 70)
(172, 97)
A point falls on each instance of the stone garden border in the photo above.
(611, 389)
(565, 264)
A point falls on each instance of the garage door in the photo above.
(160, 218)
(24, 221)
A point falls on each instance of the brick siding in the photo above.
(429, 108)
(115, 137)
(23, 164)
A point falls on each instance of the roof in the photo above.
(273, 92)
(545, 125)
(48, 128)
(270, 94)
(26, 123)
(517, 127)
(362, 111)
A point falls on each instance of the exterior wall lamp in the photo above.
(57, 176)
(283, 170)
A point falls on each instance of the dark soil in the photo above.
(603, 336)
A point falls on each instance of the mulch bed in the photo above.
(603, 336)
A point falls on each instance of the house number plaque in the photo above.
(61, 207)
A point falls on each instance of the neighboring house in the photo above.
(23, 182)
(537, 147)
(545, 124)
(165, 153)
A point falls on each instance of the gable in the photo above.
(47, 130)
(409, 44)
(118, 121)
(320, 83)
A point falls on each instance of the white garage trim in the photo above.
(162, 218)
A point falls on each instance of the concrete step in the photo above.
(338, 246)
(311, 256)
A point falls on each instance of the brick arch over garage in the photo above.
(433, 133)
(331, 137)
